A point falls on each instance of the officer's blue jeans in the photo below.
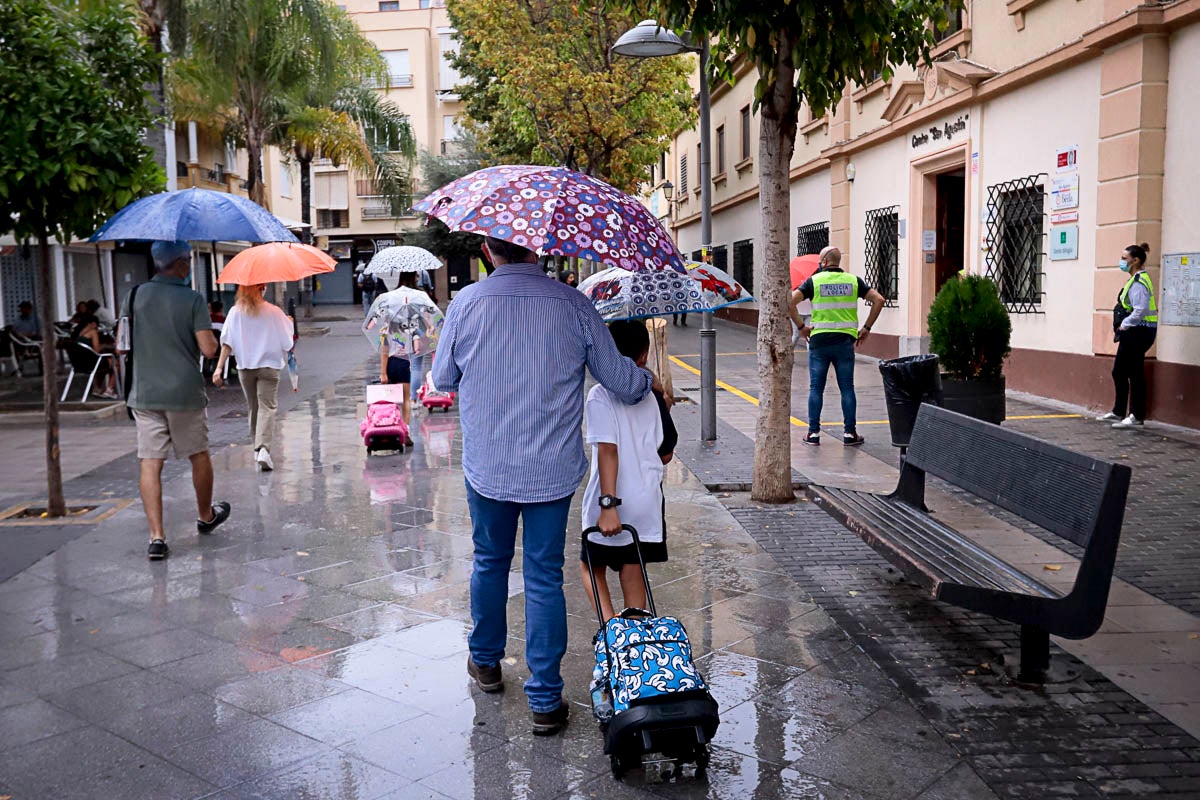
(494, 529)
(820, 357)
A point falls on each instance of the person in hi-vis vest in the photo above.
(832, 335)
(1135, 333)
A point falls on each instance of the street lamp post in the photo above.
(650, 40)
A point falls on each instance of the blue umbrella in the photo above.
(194, 215)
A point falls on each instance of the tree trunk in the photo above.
(56, 506)
(254, 182)
(777, 138)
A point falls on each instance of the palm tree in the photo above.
(252, 68)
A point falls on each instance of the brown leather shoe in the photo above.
(548, 723)
(488, 679)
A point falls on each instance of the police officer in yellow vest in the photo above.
(1135, 335)
(832, 335)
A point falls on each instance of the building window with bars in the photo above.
(1015, 230)
(720, 170)
(812, 238)
(333, 218)
(720, 257)
(743, 263)
(745, 133)
(683, 175)
(883, 252)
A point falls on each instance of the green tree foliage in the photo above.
(74, 104)
(541, 87)
(291, 72)
(969, 328)
(809, 50)
(436, 171)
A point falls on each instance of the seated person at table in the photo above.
(26, 324)
(87, 331)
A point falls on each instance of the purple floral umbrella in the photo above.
(556, 211)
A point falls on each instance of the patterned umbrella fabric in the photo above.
(718, 287)
(621, 294)
(402, 258)
(274, 262)
(194, 215)
(407, 319)
(556, 211)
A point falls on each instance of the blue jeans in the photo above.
(494, 529)
(841, 356)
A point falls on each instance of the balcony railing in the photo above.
(383, 212)
(394, 81)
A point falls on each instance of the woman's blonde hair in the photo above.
(249, 299)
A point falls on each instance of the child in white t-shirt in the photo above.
(630, 446)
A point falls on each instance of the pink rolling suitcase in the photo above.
(431, 398)
(384, 427)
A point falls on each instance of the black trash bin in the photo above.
(908, 382)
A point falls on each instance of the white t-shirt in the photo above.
(637, 432)
(258, 341)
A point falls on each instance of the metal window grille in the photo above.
(812, 238)
(883, 252)
(697, 255)
(683, 174)
(743, 263)
(720, 258)
(1015, 245)
(333, 218)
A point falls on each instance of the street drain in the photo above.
(79, 512)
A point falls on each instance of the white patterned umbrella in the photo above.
(402, 258)
(406, 319)
(620, 294)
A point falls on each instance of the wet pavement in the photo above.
(315, 647)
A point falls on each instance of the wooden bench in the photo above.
(1078, 498)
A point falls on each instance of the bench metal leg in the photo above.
(1035, 654)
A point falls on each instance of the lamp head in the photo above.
(648, 39)
(668, 190)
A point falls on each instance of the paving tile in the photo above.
(57, 766)
(417, 749)
(855, 759)
(175, 720)
(14, 695)
(230, 757)
(959, 783)
(276, 690)
(733, 678)
(377, 620)
(69, 672)
(328, 776)
(515, 768)
(27, 722)
(222, 664)
(162, 647)
(41, 647)
(345, 716)
(98, 702)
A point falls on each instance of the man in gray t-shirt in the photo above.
(171, 329)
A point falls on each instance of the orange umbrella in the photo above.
(274, 262)
(803, 268)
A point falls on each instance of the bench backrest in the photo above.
(1055, 488)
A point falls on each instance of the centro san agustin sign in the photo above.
(944, 132)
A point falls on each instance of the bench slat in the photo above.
(941, 553)
(1055, 488)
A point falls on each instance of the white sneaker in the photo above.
(1109, 417)
(263, 459)
(1129, 422)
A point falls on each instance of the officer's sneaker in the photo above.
(1109, 417)
(1129, 422)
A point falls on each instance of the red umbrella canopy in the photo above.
(803, 268)
(275, 262)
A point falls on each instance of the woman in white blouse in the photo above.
(259, 335)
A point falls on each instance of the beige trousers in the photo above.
(261, 387)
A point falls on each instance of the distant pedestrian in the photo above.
(515, 347)
(833, 334)
(259, 335)
(170, 330)
(1135, 334)
(367, 284)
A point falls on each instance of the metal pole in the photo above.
(708, 333)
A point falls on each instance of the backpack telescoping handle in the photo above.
(637, 546)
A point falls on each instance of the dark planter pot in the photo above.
(980, 399)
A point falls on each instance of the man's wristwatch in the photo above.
(609, 501)
(867, 328)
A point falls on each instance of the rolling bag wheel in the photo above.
(618, 769)
(702, 756)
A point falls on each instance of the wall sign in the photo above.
(1066, 159)
(1180, 303)
(941, 133)
(1064, 217)
(1064, 192)
(1064, 243)
(928, 240)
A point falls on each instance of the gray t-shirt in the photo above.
(166, 357)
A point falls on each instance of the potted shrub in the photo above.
(969, 329)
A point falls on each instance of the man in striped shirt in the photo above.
(515, 347)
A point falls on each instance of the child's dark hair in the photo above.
(631, 336)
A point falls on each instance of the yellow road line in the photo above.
(697, 355)
(752, 399)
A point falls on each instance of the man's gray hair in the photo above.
(167, 253)
(831, 256)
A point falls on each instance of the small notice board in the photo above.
(1180, 303)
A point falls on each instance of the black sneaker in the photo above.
(813, 438)
(157, 550)
(548, 723)
(220, 514)
(851, 439)
(488, 679)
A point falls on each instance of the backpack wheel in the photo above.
(618, 770)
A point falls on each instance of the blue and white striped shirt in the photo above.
(514, 347)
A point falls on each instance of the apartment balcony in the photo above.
(384, 211)
(394, 81)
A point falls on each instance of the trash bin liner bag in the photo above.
(908, 382)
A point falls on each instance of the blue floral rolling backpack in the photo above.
(647, 694)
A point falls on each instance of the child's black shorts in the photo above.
(616, 557)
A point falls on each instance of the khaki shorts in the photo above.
(158, 431)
